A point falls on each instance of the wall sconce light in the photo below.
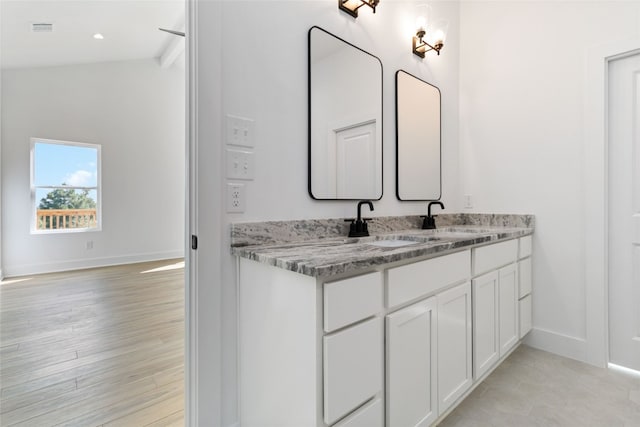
(351, 6)
(422, 43)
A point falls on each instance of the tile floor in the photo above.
(536, 388)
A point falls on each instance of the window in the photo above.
(65, 186)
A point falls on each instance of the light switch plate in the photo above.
(240, 131)
(239, 164)
(468, 201)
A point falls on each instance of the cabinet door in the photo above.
(524, 277)
(370, 415)
(454, 344)
(485, 323)
(411, 365)
(353, 368)
(508, 307)
(525, 315)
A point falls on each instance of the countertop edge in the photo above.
(320, 259)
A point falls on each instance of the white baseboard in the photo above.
(553, 342)
(80, 264)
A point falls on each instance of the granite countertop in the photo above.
(318, 248)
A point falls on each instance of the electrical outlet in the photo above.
(89, 245)
(235, 198)
(468, 201)
(239, 164)
(240, 131)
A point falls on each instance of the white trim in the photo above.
(79, 264)
(553, 342)
(596, 194)
(624, 370)
(191, 227)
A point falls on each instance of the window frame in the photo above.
(33, 187)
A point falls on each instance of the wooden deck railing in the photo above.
(53, 219)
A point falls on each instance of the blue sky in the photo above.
(57, 164)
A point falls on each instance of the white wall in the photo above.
(1, 259)
(135, 110)
(264, 77)
(522, 95)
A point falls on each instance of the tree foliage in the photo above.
(67, 199)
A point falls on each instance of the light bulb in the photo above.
(421, 23)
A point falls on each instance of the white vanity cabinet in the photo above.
(428, 344)
(495, 304)
(524, 284)
(398, 346)
(311, 352)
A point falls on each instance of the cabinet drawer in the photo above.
(493, 256)
(350, 300)
(525, 315)
(524, 279)
(353, 368)
(525, 247)
(370, 415)
(414, 280)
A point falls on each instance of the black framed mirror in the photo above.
(345, 120)
(418, 139)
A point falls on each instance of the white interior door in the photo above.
(624, 212)
(355, 161)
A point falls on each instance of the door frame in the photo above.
(191, 221)
(204, 176)
(596, 202)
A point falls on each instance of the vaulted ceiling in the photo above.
(129, 28)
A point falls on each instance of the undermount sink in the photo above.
(392, 243)
(443, 235)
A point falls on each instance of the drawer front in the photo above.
(525, 316)
(370, 415)
(524, 279)
(350, 300)
(493, 256)
(414, 280)
(353, 368)
(525, 247)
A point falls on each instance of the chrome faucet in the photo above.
(429, 222)
(358, 227)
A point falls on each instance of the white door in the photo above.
(624, 212)
(411, 365)
(356, 161)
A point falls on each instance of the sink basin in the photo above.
(393, 243)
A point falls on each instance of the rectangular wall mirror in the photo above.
(418, 140)
(345, 120)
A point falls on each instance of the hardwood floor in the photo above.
(98, 347)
